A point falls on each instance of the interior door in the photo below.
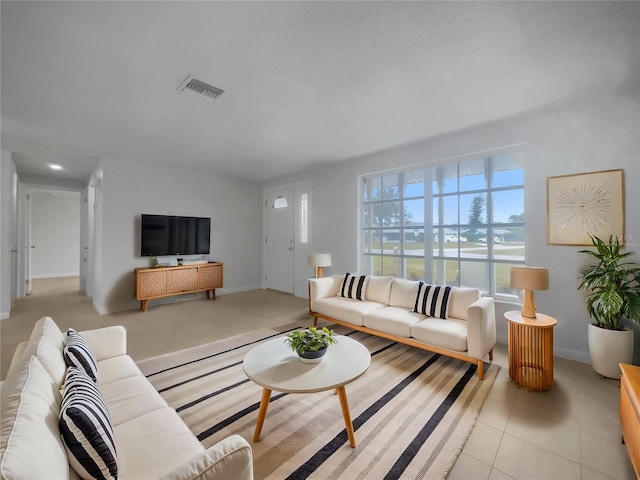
(280, 240)
(27, 243)
(14, 240)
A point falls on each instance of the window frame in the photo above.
(395, 262)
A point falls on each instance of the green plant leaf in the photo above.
(613, 284)
(632, 308)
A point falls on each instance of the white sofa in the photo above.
(468, 333)
(152, 442)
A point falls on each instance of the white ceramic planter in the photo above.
(608, 348)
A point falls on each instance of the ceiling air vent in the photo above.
(195, 85)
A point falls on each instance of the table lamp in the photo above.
(319, 260)
(529, 279)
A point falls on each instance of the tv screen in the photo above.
(174, 235)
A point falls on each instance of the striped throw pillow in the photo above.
(78, 354)
(85, 426)
(354, 286)
(432, 300)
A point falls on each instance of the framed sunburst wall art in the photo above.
(583, 204)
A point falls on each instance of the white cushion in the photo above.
(461, 298)
(229, 458)
(106, 342)
(154, 444)
(129, 398)
(379, 289)
(30, 444)
(46, 343)
(18, 356)
(117, 368)
(393, 320)
(345, 309)
(450, 334)
(403, 293)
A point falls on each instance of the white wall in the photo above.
(589, 134)
(55, 233)
(128, 189)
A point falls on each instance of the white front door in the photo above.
(280, 240)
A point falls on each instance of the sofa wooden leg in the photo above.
(315, 321)
(491, 354)
(480, 370)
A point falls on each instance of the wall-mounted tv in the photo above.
(174, 235)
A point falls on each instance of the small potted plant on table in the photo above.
(311, 344)
(614, 286)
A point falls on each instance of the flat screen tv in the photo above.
(174, 235)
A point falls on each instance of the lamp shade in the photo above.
(320, 259)
(530, 278)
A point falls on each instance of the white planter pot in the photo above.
(608, 348)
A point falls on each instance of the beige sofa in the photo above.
(468, 333)
(152, 442)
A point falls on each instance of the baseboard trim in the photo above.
(135, 305)
(571, 354)
(55, 275)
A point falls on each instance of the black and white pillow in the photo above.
(78, 354)
(432, 300)
(354, 286)
(85, 426)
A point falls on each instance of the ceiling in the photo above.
(305, 83)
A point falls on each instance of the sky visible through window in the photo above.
(503, 207)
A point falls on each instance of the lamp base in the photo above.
(528, 305)
(318, 272)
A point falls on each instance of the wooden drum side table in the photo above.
(531, 350)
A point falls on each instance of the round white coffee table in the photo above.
(274, 366)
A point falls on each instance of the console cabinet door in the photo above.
(182, 280)
(151, 283)
(210, 277)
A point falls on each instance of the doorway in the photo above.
(50, 232)
(287, 239)
(280, 240)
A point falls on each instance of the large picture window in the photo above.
(459, 223)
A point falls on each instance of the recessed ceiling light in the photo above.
(53, 166)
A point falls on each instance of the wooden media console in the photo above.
(630, 412)
(159, 282)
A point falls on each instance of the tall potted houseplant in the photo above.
(613, 284)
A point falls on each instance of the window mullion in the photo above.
(428, 224)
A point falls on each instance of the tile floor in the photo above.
(572, 431)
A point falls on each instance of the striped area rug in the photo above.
(412, 410)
